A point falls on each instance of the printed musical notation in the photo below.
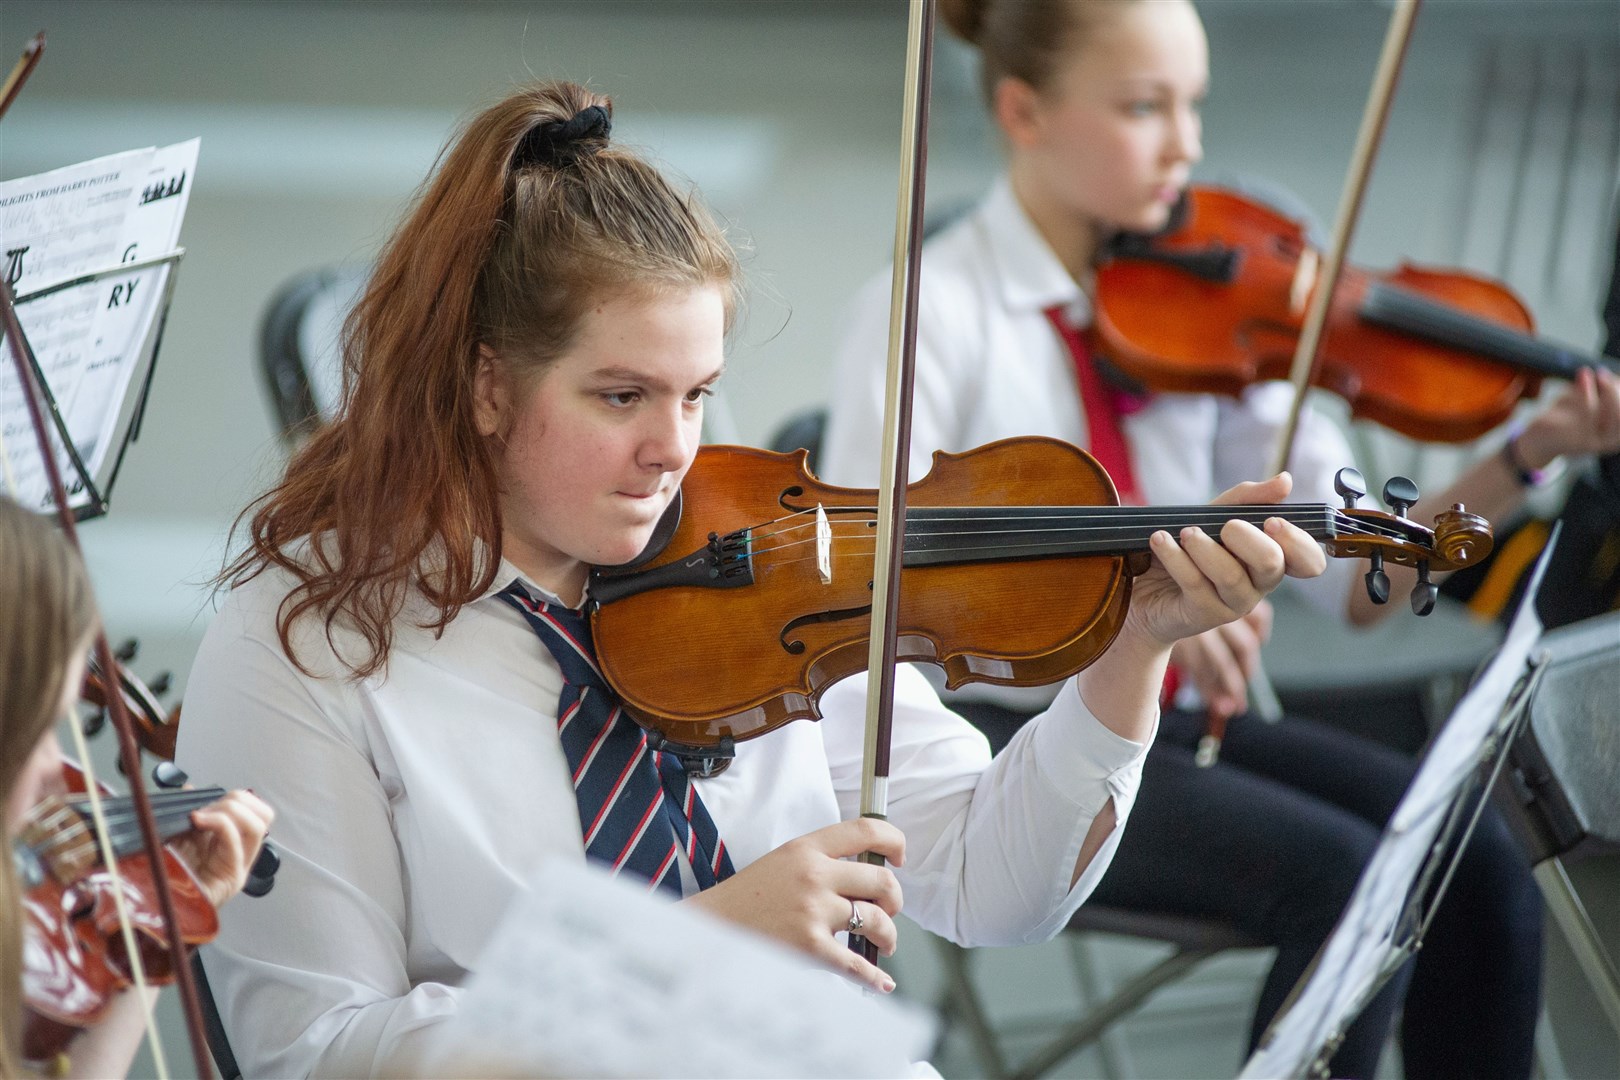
(588, 975)
(94, 341)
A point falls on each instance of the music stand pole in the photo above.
(1570, 914)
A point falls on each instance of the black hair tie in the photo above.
(559, 142)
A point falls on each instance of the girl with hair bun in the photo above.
(401, 664)
(1098, 108)
(47, 620)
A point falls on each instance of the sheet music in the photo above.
(94, 341)
(591, 976)
(1353, 960)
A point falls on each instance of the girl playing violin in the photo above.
(47, 619)
(400, 663)
(1098, 106)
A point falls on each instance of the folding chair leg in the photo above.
(1112, 1046)
(1125, 999)
(961, 1002)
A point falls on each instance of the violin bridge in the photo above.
(1304, 281)
(823, 546)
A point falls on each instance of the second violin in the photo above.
(1216, 303)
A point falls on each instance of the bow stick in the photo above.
(1373, 119)
(891, 513)
(19, 74)
(129, 752)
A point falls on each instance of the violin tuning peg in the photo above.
(93, 723)
(166, 774)
(1377, 581)
(126, 650)
(160, 685)
(1399, 494)
(1425, 592)
(1350, 485)
(262, 874)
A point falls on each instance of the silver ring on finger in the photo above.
(855, 921)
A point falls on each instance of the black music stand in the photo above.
(1561, 791)
(1400, 889)
(91, 492)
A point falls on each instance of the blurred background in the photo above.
(318, 121)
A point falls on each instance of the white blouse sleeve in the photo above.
(990, 843)
(310, 979)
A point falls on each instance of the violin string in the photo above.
(1121, 517)
(1213, 516)
(779, 554)
(123, 823)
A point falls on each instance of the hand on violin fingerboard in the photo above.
(1584, 418)
(1198, 583)
(225, 842)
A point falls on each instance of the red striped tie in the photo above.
(1102, 406)
(637, 807)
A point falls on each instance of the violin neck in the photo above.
(1406, 312)
(171, 812)
(939, 536)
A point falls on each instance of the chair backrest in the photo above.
(299, 346)
(801, 431)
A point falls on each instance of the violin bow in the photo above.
(129, 753)
(1373, 120)
(19, 74)
(891, 509)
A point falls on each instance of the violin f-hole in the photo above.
(796, 648)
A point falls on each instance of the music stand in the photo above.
(96, 487)
(94, 304)
(1400, 889)
(1561, 792)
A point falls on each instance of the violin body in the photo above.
(994, 621)
(74, 958)
(1218, 303)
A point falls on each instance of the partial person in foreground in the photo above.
(47, 620)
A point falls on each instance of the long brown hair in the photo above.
(503, 248)
(46, 615)
(1024, 39)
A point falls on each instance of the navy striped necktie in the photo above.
(637, 807)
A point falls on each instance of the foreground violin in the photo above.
(1017, 570)
(74, 957)
(75, 961)
(1217, 301)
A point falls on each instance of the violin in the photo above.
(1216, 303)
(75, 961)
(757, 549)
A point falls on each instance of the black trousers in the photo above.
(1273, 839)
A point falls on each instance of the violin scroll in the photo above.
(1458, 538)
(155, 730)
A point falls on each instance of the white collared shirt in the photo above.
(990, 366)
(412, 806)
